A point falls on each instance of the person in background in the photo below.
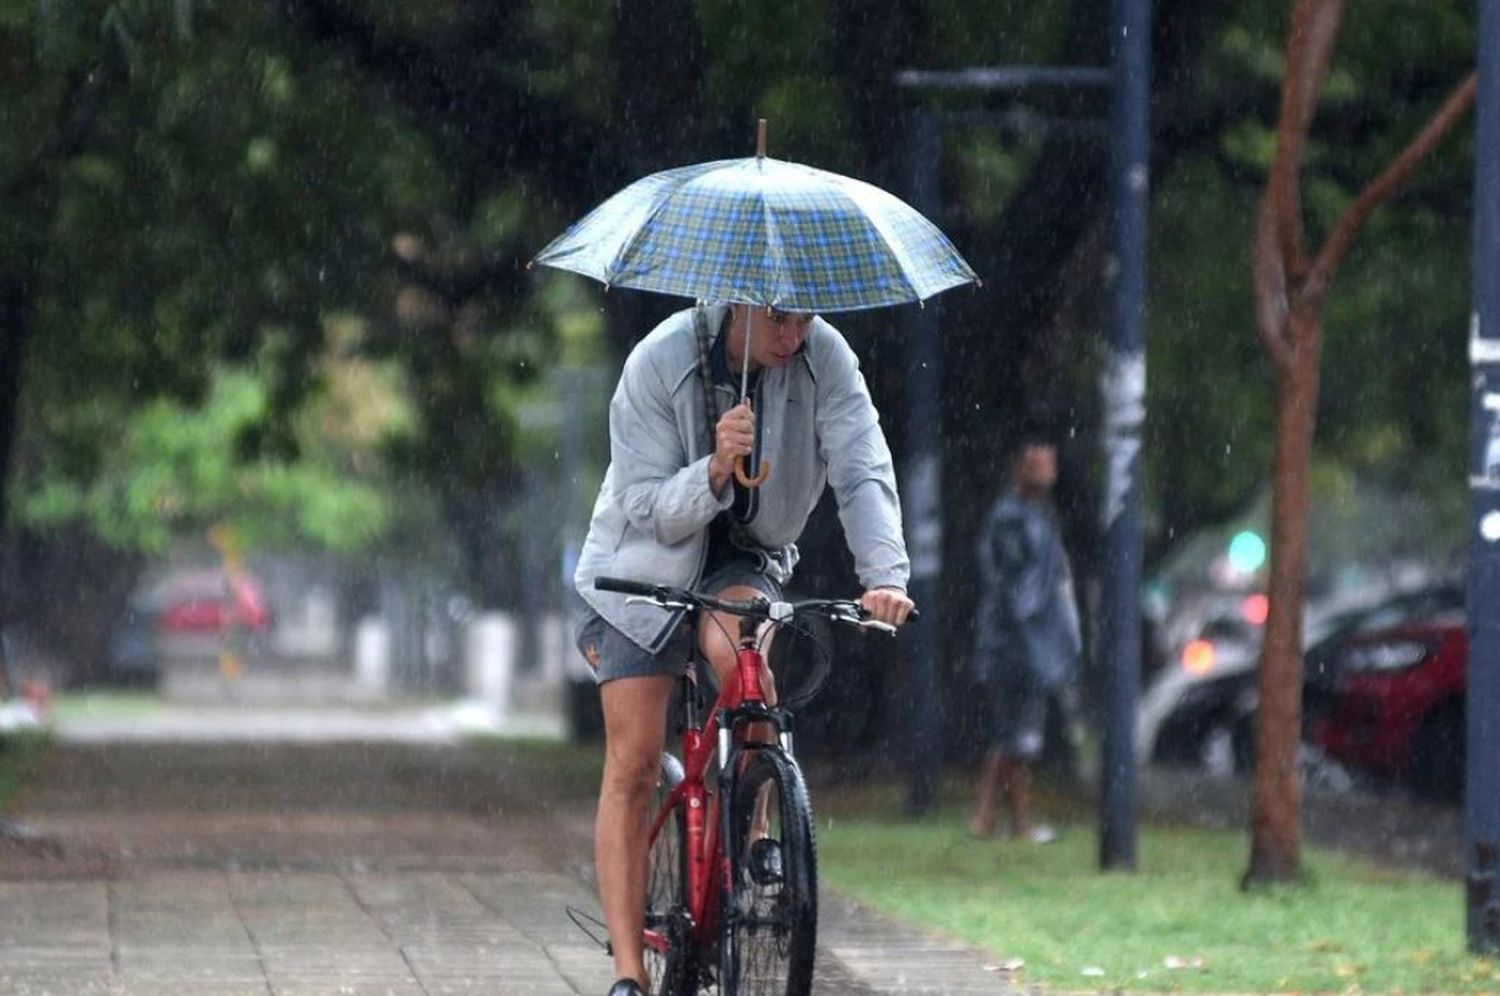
(1027, 642)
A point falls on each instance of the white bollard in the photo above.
(372, 655)
(556, 644)
(490, 652)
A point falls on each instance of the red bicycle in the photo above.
(732, 892)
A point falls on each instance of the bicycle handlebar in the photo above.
(625, 587)
(760, 608)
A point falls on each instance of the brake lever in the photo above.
(660, 603)
(854, 620)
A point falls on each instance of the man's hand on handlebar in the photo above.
(887, 605)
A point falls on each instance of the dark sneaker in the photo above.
(765, 862)
(626, 987)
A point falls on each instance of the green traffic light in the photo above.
(1247, 552)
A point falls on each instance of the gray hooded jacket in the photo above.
(1026, 620)
(817, 427)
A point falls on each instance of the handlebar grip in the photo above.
(625, 587)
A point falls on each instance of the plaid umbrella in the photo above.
(762, 231)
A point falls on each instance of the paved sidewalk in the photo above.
(438, 723)
(355, 868)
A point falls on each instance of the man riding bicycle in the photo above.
(672, 511)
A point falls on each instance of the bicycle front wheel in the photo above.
(668, 961)
(770, 934)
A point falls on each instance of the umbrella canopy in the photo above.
(762, 231)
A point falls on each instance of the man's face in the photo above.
(775, 336)
(1037, 467)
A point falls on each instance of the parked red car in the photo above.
(1392, 702)
(208, 602)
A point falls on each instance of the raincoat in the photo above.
(816, 426)
(1027, 616)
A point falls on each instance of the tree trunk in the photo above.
(67, 591)
(1276, 809)
(1291, 287)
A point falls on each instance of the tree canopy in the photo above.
(198, 195)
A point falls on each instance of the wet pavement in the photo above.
(395, 867)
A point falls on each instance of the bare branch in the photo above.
(1321, 28)
(1309, 48)
(1382, 187)
(1271, 307)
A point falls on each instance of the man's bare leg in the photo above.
(1015, 783)
(635, 712)
(986, 800)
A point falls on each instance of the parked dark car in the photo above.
(132, 653)
(1391, 702)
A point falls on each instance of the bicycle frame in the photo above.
(708, 872)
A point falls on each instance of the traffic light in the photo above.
(1247, 552)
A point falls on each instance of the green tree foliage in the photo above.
(175, 469)
(189, 205)
(1392, 407)
(191, 189)
(222, 196)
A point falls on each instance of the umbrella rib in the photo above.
(775, 251)
(639, 234)
(856, 192)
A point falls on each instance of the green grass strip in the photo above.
(20, 759)
(1180, 923)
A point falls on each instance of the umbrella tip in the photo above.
(760, 138)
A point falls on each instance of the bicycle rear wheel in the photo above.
(770, 935)
(669, 964)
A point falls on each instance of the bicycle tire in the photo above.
(669, 973)
(770, 939)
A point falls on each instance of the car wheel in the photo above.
(1436, 769)
(1242, 741)
(1216, 752)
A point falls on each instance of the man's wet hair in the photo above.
(1030, 435)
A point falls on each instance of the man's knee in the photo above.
(632, 769)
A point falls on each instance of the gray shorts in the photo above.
(613, 655)
(1020, 702)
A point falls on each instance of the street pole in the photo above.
(570, 467)
(1123, 387)
(1482, 790)
(922, 489)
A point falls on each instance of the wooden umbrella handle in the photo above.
(746, 481)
